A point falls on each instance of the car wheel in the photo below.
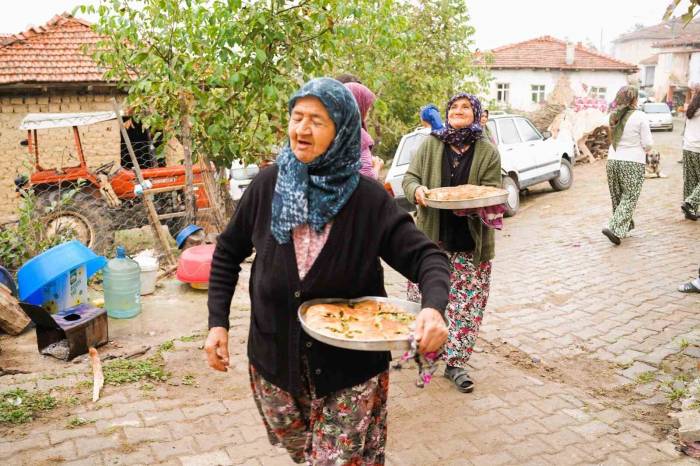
(513, 201)
(565, 178)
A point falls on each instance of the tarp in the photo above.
(64, 120)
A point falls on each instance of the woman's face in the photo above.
(311, 130)
(460, 114)
(484, 119)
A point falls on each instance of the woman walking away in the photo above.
(631, 141)
(691, 158)
(319, 230)
(365, 98)
(457, 155)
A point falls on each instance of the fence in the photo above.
(103, 209)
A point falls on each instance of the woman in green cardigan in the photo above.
(459, 154)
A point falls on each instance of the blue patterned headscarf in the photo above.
(462, 137)
(314, 193)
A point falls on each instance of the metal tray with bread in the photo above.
(369, 323)
(466, 196)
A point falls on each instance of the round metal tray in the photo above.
(468, 203)
(356, 344)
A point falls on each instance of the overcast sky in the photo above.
(497, 22)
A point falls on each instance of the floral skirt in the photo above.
(347, 427)
(469, 293)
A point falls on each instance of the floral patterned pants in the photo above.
(469, 293)
(625, 183)
(347, 427)
(691, 179)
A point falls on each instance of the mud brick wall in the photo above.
(101, 142)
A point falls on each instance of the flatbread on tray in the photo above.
(464, 192)
(366, 320)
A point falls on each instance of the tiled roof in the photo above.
(5, 38)
(548, 52)
(653, 60)
(688, 36)
(661, 32)
(51, 53)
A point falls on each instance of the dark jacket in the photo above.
(369, 227)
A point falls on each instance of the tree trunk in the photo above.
(185, 126)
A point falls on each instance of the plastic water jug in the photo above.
(122, 286)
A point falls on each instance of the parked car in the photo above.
(527, 158)
(659, 115)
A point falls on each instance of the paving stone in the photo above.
(141, 455)
(11, 448)
(151, 418)
(146, 434)
(130, 420)
(54, 454)
(493, 459)
(179, 447)
(246, 451)
(204, 410)
(593, 429)
(58, 436)
(91, 445)
(214, 458)
(636, 369)
(134, 407)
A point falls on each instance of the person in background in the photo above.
(631, 141)
(691, 158)
(693, 286)
(457, 155)
(348, 78)
(430, 117)
(321, 230)
(370, 165)
(484, 126)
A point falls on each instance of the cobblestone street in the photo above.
(575, 341)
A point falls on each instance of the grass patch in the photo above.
(189, 379)
(684, 344)
(190, 338)
(19, 406)
(646, 377)
(166, 346)
(677, 393)
(78, 421)
(121, 371)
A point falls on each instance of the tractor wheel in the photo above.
(85, 218)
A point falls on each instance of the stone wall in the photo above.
(101, 142)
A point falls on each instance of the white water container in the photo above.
(149, 270)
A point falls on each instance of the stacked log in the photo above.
(596, 144)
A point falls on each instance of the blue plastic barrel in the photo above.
(122, 286)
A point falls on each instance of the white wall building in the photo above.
(526, 73)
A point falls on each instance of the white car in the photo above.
(659, 115)
(239, 178)
(527, 158)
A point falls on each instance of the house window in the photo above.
(598, 92)
(503, 92)
(537, 93)
(649, 75)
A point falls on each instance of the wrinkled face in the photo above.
(460, 114)
(311, 130)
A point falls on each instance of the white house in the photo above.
(678, 68)
(525, 73)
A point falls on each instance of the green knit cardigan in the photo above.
(426, 170)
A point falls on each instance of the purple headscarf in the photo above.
(462, 137)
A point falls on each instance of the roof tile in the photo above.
(50, 53)
(549, 52)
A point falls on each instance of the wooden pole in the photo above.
(147, 198)
(190, 205)
(213, 193)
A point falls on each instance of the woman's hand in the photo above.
(431, 331)
(377, 164)
(421, 192)
(216, 347)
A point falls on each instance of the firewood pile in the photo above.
(597, 143)
(544, 116)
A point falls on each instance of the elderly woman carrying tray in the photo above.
(319, 229)
(457, 155)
